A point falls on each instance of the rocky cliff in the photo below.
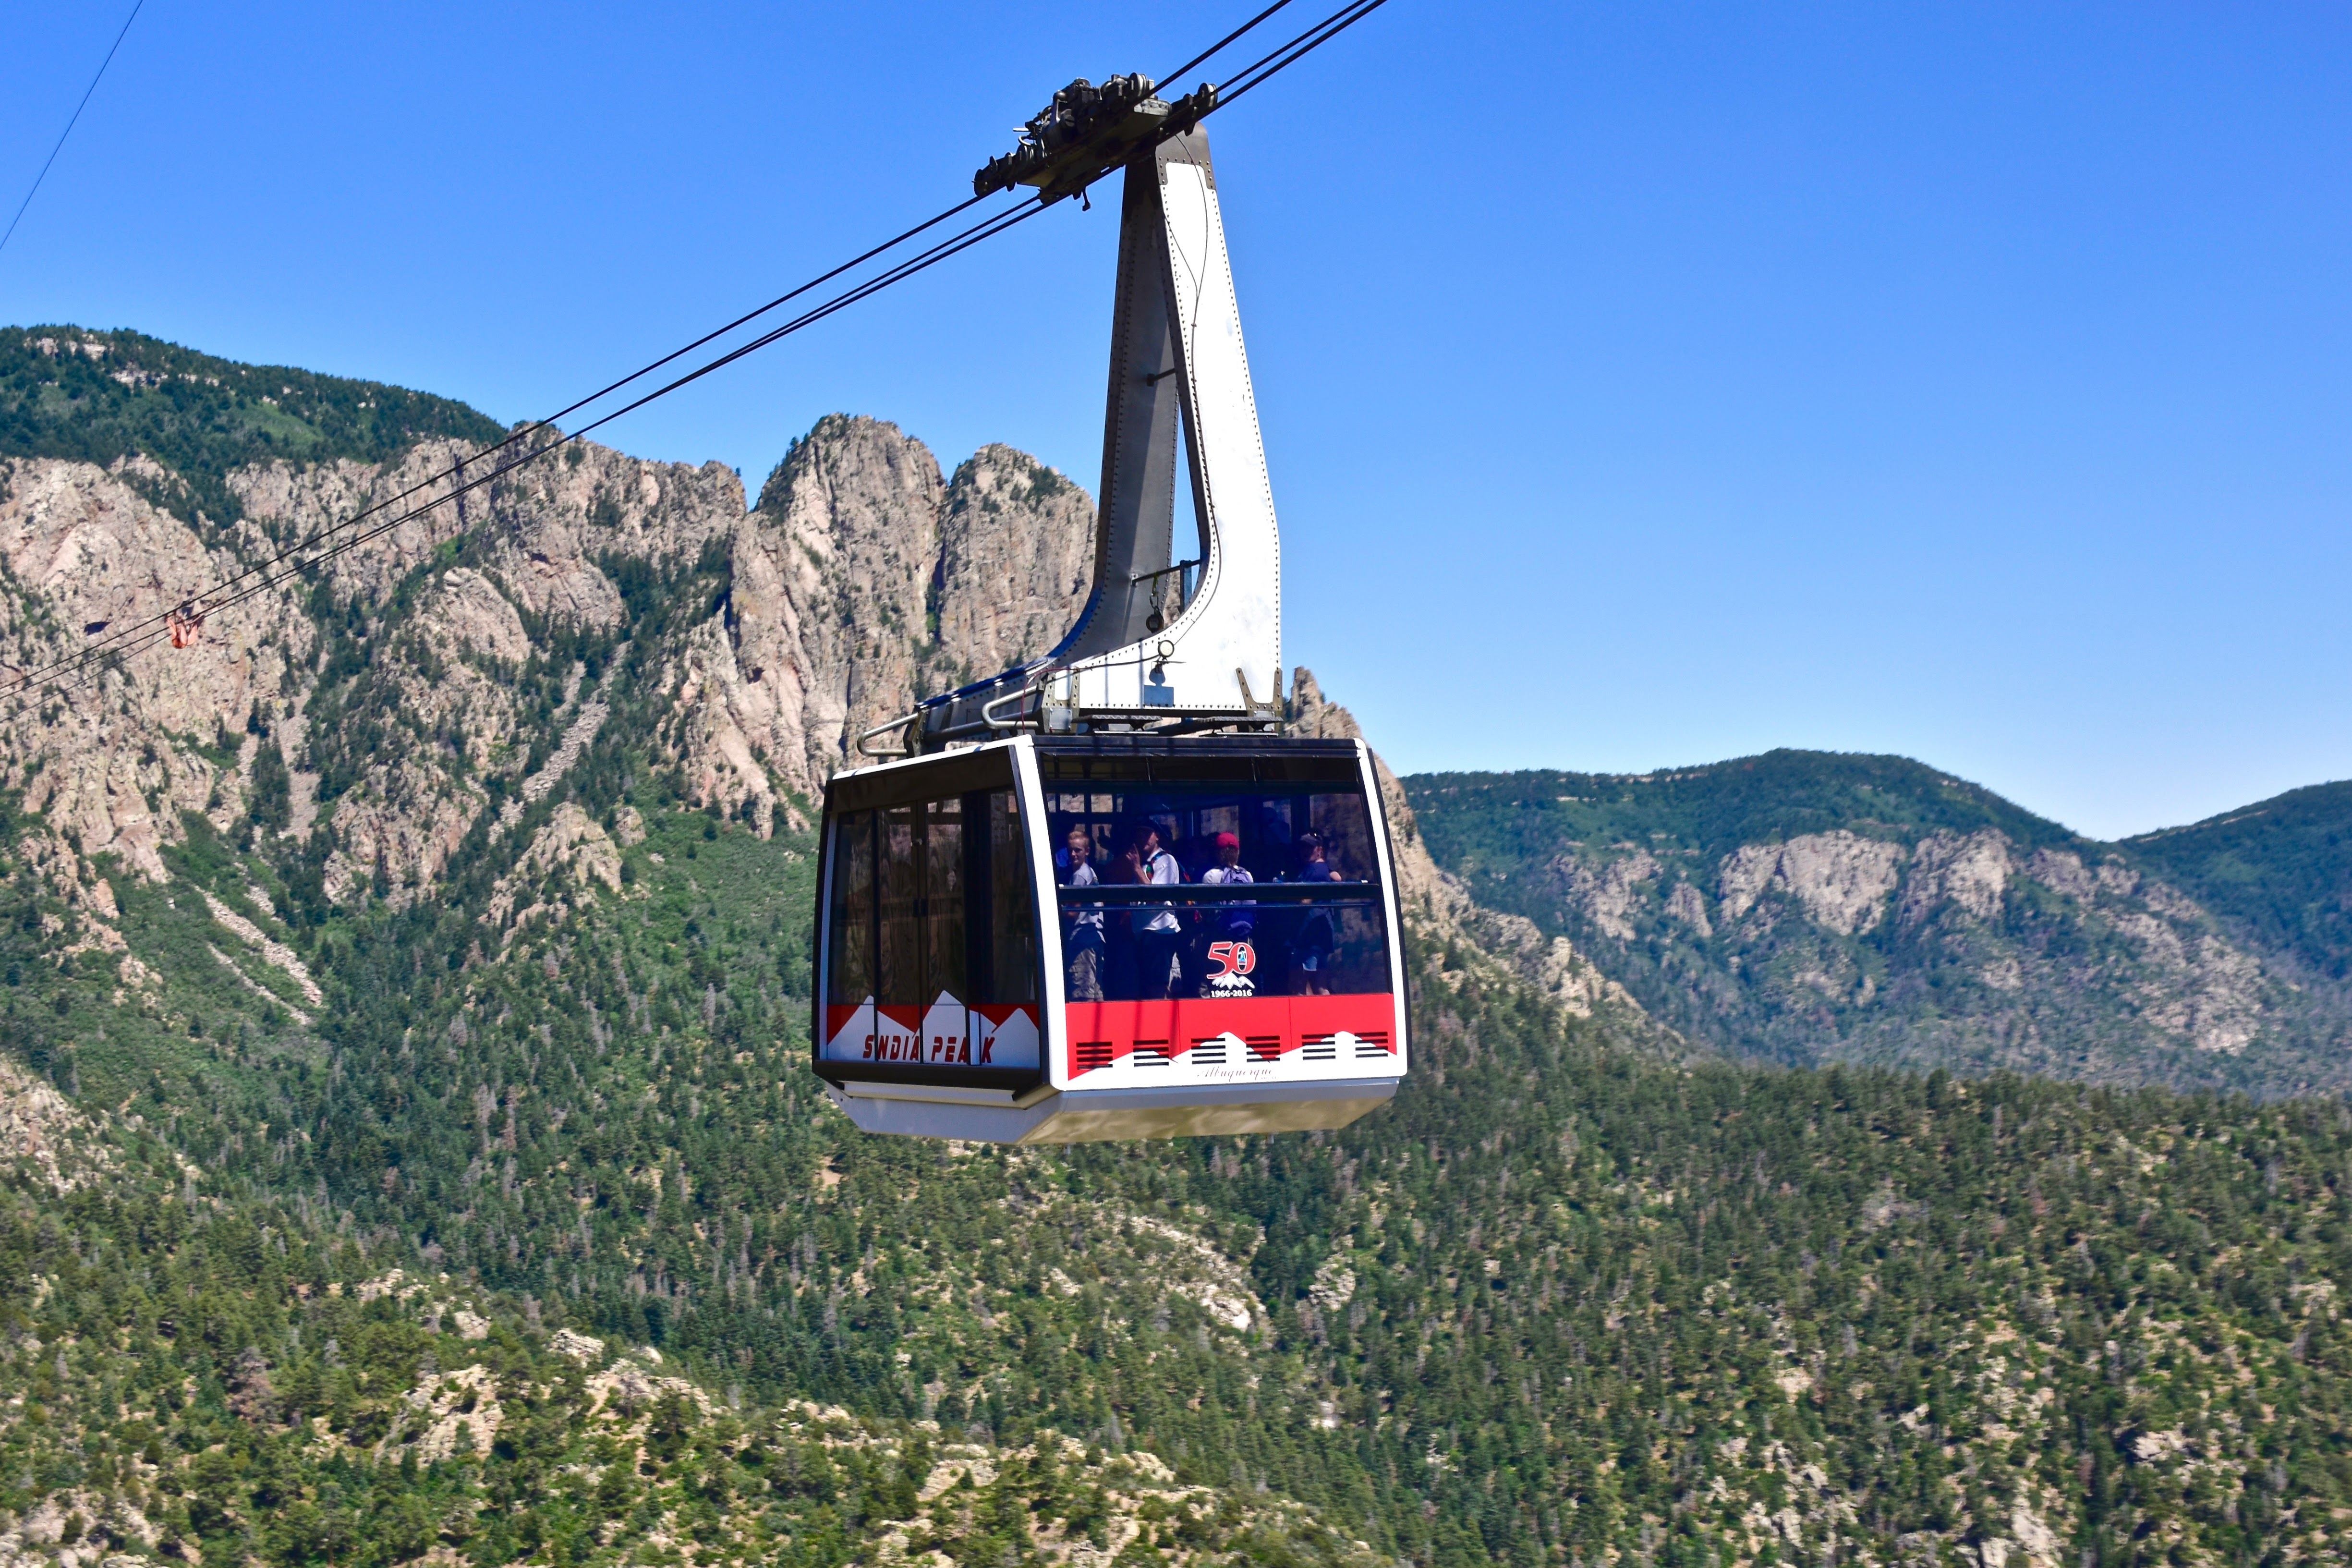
(434, 682)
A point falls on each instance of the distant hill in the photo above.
(2279, 872)
(1807, 907)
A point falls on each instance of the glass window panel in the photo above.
(1203, 938)
(1013, 906)
(850, 928)
(943, 894)
(900, 898)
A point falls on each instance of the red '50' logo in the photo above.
(1231, 958)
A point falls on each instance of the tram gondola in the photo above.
(1103, 895)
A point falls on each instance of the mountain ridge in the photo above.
(2279, 868)
(1813, 905)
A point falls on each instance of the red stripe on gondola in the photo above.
(1098, 1034)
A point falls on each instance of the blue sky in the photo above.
(1641, 385)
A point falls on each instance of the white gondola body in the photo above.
(1230, 1053)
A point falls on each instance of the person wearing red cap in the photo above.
(1232, 922)
(1229, 867)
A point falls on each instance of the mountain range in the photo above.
(411, 1154)
(1806, 906)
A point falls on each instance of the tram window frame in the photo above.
(1270, 816)
(997, 957)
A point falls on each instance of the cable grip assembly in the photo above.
(1088, 132)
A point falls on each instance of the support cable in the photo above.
(71, 120)
(1291, 53)
(1218, 48)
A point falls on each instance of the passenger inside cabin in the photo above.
(1083, 942)
(1310, 949)
(1235, 922)
(1159, 934)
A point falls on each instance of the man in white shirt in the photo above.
(1158, 934)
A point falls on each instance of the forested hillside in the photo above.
(1803, 907)
(2280, 871)
(412, 1155)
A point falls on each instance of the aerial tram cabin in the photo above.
(1103, 895)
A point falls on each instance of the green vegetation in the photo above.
(2279, 870)
(98, 397)
(1556, 1302)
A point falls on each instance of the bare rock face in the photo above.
(547, 523)
(1971, 872)
(830, 577)
(1606, 892)
(1016, 562)
(572, 848)
(864, 582)
(722, 727)
(111, 755)
(411, 809)
(1843, 880)
(443, 687)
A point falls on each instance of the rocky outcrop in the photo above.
(1842, 879)
(40, 1129)
(572, 852)
(831, 577)
(112, 753)
(1016, 562)
(864, 582)
(1605, 890)
(1971, 872)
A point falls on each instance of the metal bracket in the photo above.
(1088, 132)
(988, 709)
(900, 722)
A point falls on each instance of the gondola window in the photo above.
(933, 960)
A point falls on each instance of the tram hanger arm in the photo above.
(1088, 132)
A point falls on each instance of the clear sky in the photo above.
(1643, 386)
